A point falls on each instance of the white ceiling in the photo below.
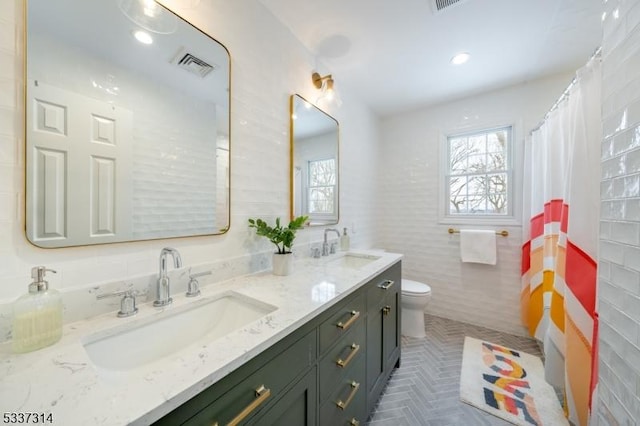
(395, 54)
(99, 29)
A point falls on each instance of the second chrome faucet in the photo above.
(163, 289)
(325, 244)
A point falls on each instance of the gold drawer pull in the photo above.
(386, 310)
(354, 388)
(354, 422)
(386, 284)
(354, 316)
(354, 350)
(262, 394)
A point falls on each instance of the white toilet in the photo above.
(415, 296)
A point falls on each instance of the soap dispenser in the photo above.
(344, 240)
(37, 315)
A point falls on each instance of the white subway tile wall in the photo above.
(268, 65)
(484, 295)
(619, 259)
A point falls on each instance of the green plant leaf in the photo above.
(281, 237)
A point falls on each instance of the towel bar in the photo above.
(503, 233)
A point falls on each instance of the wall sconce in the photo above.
(325, 84)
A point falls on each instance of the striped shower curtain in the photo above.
(561, 201)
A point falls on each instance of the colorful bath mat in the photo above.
(508, 384)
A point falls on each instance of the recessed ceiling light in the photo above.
(143, 37)
(460, 58)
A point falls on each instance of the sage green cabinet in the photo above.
(342, 319)
(347, 404)
(383, 331)
(342, 364)
(338, 360)
(329, 372)
(255, 388)
(296, 407)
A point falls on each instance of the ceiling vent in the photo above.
(439, 6)
(189, 62)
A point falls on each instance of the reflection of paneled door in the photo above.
(78, 168)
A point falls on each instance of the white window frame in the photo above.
(323, 217)
(514, 201)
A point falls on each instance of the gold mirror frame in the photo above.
(202, 91)
(314, 150)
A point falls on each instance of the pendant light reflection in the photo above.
(460, 58)
(149, 15)
(143, 37)
(326, 86)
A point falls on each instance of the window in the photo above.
(478, 178)
(322, 187)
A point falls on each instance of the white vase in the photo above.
(282, 263)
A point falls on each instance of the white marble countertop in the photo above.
(63, 381)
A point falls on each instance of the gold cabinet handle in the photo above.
(354, 316)
(354, 350)
(386, 284)
(354, 388)
(386, 310)
(262, 394)
(354, 422)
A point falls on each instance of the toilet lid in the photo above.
(414, 287)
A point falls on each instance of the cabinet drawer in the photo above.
(347, 404)
(340, 359)
(297, 407)
(345, 318)
(251, 394)
(381, 286)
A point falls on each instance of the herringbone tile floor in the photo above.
(425, 389)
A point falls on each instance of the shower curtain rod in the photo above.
(565, 94)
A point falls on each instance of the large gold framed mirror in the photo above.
(127, 124)
(315, 180)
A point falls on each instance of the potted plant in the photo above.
(282, 237)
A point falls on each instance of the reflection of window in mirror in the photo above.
(315, 163)
(322, 188)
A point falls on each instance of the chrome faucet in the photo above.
(325, 244)
(163, 291)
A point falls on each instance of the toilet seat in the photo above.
(410, 287)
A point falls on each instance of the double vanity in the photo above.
(314, 347)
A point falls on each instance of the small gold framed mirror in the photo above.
(314, 186)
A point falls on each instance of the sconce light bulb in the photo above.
(330, 94)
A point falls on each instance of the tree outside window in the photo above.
(477, 182)
(322, 186)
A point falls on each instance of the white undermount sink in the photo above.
(354, 260)
(136, 344)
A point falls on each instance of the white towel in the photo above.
(478, 246)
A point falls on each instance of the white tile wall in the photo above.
(268, 64)
(619, 259)
(409, 185)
